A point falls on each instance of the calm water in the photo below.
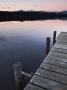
(24, 42)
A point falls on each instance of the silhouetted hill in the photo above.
(31, 15)
(65, 12)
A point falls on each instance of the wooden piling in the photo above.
(47, 45)
(18, 76)
(21, 78)
(54, 37)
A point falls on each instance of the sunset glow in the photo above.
(45, 5)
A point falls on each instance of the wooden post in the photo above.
(18, 76)
(54, 37)
(47, 45)
(21, 78)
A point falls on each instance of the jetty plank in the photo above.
(56, 45)
(62, 55)
(59, 50)
(62, 38)
(55, 58)
(54, 68)
(33, 87)
(56, 63)
(47, 84)
(52, 75)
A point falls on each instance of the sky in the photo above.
(40, 5)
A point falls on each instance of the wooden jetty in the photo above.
(52, 73)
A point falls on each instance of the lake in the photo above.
(24, 42)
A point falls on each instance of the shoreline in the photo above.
(31, 15)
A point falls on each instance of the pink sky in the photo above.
(48, 6)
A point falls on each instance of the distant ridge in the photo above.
(65, 12)
(31, 15)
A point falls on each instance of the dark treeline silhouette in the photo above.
(31, 15)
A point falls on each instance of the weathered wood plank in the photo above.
(59, 50)
(56, 63)
(62, 42)
(62, 33)
(62, 39)
(55, 58)
(54, 68)
(60, 46)
(33, 87)
(62, 36)
(52, 75)
(47, 83)
(62, 55)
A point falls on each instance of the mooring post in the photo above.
(21, 78)
(18, 76)
(54, 37)
(47, 45)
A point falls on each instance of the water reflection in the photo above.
(24, 42)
